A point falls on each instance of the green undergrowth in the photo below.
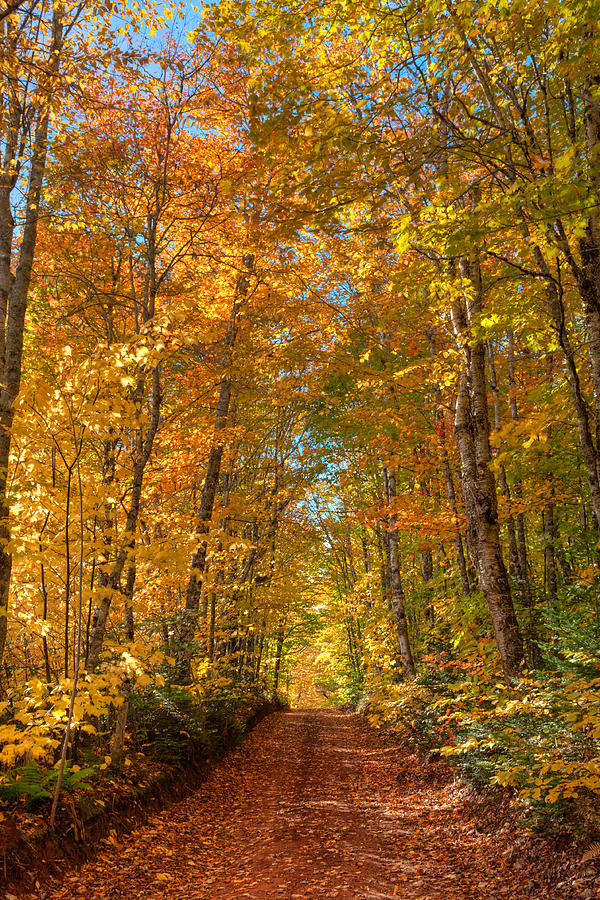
(178, 726)
(34, 785)
(170, 728)
(538, 735)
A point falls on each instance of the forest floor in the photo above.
(318, 804)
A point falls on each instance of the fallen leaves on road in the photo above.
(314, 804)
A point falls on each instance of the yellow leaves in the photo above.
(506, 778)
(489, 321)
(37, 726)
(521, 723)
(541, 437)
(141, 354)
(564, 162)
(588, 575)
(402, 233)
(562, 780)
(202, 668)
(471, 744)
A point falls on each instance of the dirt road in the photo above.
(313, 804)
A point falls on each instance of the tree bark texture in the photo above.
(398, 597)
(472, 433)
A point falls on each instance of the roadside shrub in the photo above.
(176, 725)
(539, 735)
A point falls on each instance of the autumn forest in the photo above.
(299, 403)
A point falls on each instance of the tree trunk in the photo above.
(449, 481)
(278, 653)
(398, 598)
(472, 432)
(120, 732)
(549, 559)
(587, 274)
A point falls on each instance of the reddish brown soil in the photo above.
(313, 804)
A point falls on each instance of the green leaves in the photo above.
(35, 785)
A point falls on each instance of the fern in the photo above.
(592, 852)
(26, 783)
(35, 785)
